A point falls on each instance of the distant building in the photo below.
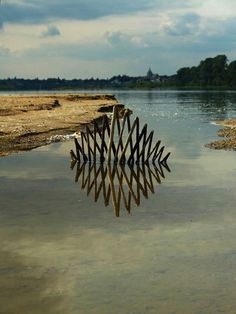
(150, 76)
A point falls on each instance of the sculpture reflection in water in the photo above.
(124, 185)
(124, 151)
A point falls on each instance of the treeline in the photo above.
(120, 81)
(211, 72)
(51, 84)
(214, 72)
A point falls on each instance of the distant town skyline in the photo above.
(91, 38)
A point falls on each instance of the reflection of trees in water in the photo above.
(215, 104)
(121, 184)
(151, 97)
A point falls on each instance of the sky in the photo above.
(102, 38)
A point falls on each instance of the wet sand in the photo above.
(229, 134)
(27, 122)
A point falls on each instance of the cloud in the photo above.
(41, 11)
(51, 31)
(184, 25)
(127, 36)
(116, 38)
(205, 35)
(113, 45)
(211, 8)
(4, 52)
(166, 49)
(123, 40)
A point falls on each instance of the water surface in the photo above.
(61, 252)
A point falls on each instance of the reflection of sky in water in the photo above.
(63, 253)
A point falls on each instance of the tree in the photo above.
(206, 71)
(184, 76)
(219, 69)
(231, 73)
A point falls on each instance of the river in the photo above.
(62, 252)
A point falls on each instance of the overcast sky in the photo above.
(102, 38)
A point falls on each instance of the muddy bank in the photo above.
(27, 122)
(229, 135)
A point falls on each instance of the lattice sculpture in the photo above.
(119, 142)
(122, 184)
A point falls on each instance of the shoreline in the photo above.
(126, 88)
(30, 121)
(228, 133)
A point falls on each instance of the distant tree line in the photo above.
(214, 72)
(211, 72)
(120, 81)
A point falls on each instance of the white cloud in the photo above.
(124, 40)
(219, 9)
(51, 31)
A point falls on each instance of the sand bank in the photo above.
(30, 121)
(229, 134)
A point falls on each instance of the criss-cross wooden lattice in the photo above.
(118, 141)
(122, 184)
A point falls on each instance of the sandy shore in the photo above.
(229, 134)
(27, 122)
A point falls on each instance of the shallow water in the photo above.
(175, 253)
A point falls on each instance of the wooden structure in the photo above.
(119, 142)
(123, 184)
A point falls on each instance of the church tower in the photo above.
(149, 73)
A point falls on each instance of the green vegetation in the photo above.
(211, 73)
